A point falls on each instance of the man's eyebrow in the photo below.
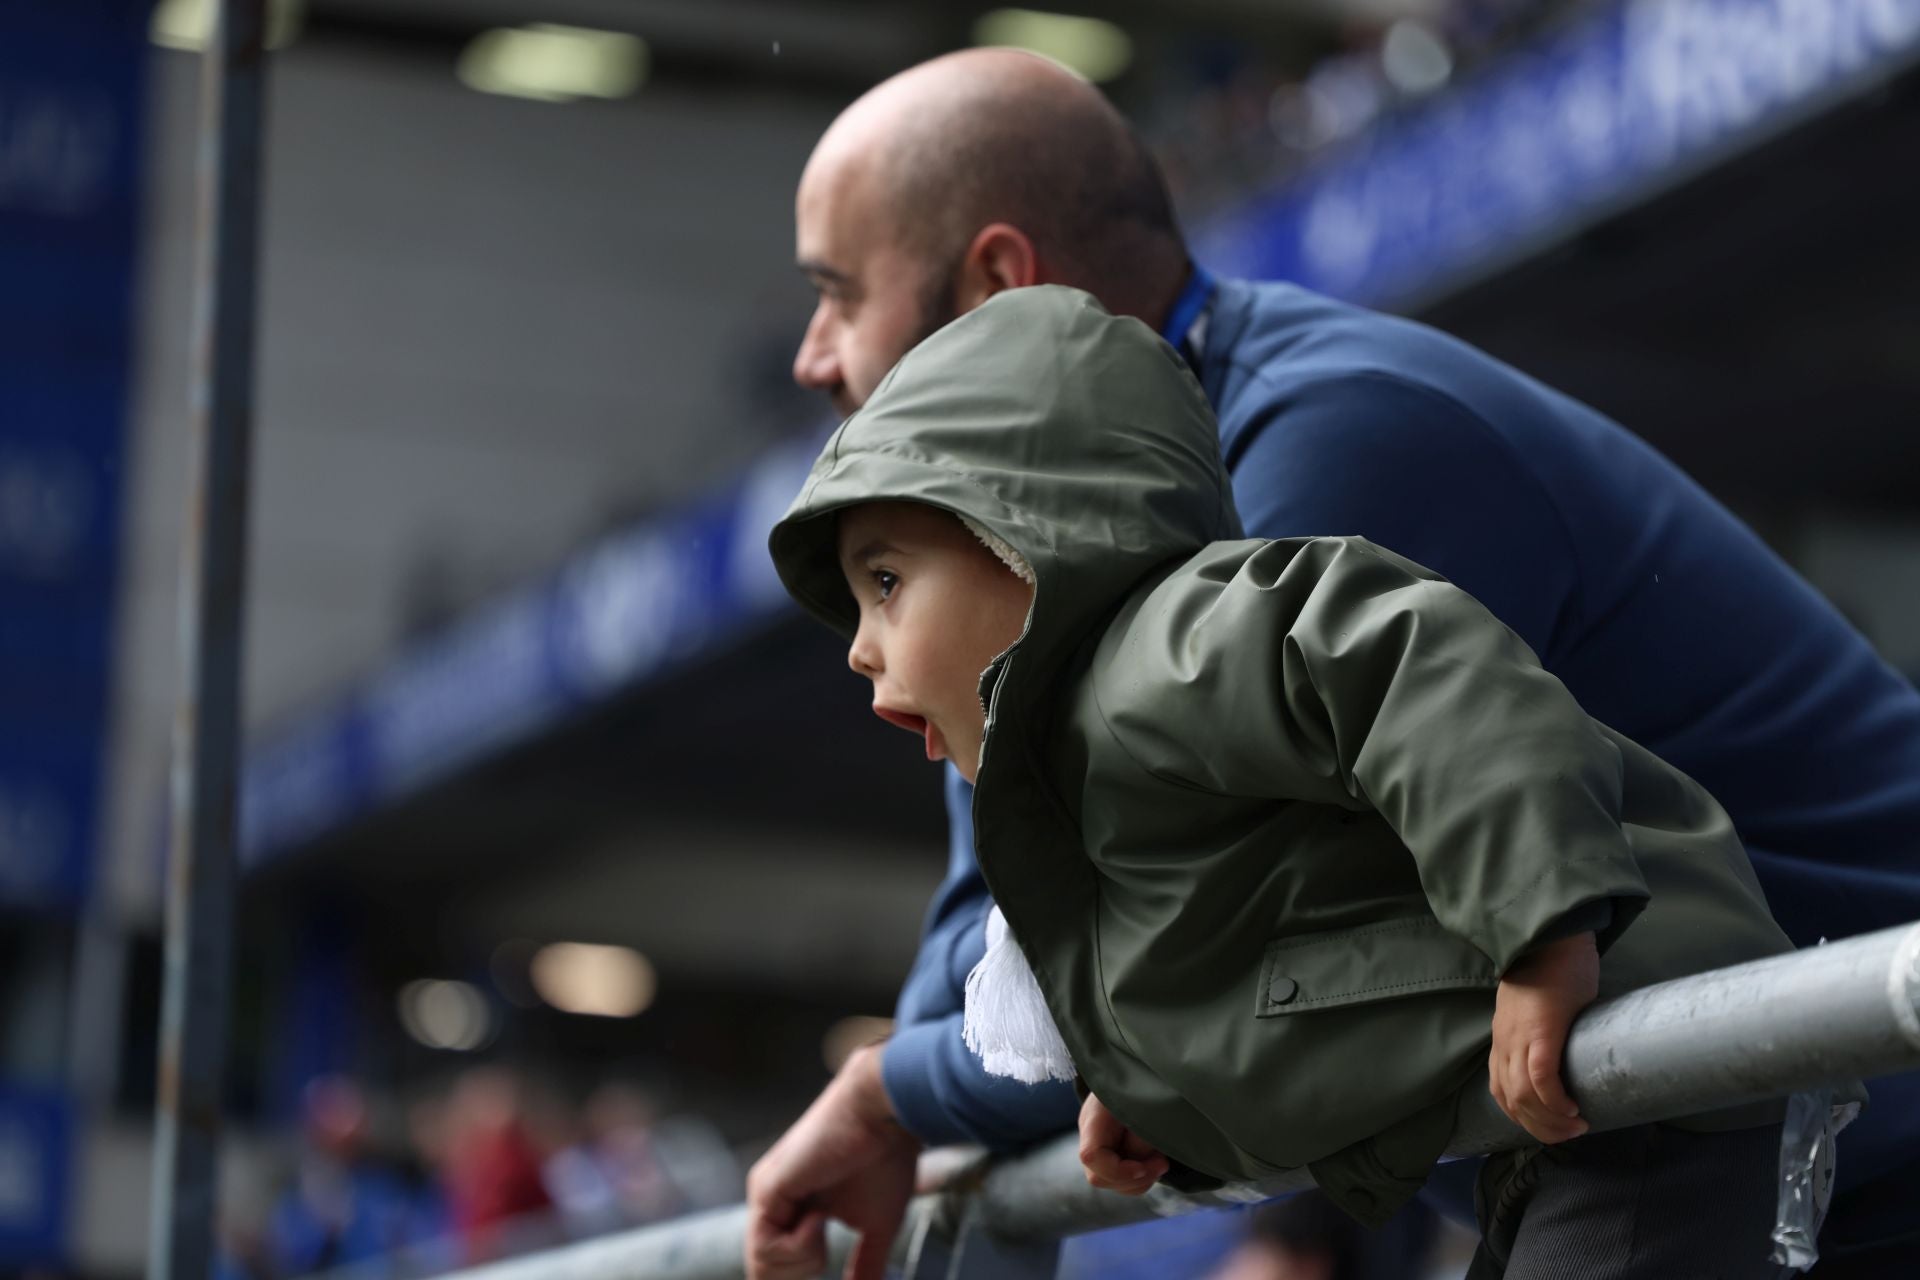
(820, 270)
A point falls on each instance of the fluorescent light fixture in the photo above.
(601, 982)
(445, 1015)
(188, 24)
(552, 63)
(1086, 46)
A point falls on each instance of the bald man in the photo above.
(1668, 619)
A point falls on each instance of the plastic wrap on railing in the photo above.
(1807, 1156)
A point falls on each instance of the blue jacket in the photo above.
(1669, 620)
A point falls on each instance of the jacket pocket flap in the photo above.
(1383, 961)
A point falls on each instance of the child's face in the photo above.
(935, 608)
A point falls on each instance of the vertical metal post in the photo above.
(206, 747)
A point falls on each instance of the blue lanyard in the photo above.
(1187, 308)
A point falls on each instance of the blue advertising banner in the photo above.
(71, 93)
(1633, 99)
(35, 1146)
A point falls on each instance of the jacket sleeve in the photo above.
(935, 1083)
(1332, 671)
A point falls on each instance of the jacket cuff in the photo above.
(942, 1095)
(1560, 902)
(906, 1072)
(1593, 917)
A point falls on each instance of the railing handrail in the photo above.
(1644, 1056)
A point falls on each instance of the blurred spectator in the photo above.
(491, 1164)
(627, 1166)
(701, 1165)
(1304, 1237)
(612, 1176)
(344, 1207)
(1241, 118)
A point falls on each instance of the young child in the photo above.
(1289, 832)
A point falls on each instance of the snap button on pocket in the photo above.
(1282, 989)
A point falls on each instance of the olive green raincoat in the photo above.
(1268, 819)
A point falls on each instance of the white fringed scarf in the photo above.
(1007, 1022)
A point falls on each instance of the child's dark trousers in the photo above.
(1649, 1203)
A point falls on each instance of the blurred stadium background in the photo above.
(573, 861)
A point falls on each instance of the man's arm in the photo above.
(846, 1159)
(851, 1156)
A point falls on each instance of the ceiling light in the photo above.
(553, 63)
(1414, 59)
(188, 24)
(445, 1015)
(604, 982)
(1086, 46)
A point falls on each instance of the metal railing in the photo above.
(1844, 1011)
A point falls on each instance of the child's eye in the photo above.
(886, 581)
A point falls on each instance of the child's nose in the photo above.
(863, 655)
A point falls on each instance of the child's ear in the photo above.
(1001, 257)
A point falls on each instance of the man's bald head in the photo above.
(998, 135)
(976, 171)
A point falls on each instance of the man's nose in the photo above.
(815, 365)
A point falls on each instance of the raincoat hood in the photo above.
(1078, 437)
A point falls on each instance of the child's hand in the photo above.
(1532, 1011)
(1116, 1160)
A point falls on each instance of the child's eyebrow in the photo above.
(878, 547)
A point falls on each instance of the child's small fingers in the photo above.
(1543, 1073)
(1545, 1123)
(1105, 1169)
(1133, 1177)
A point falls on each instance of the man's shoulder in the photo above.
(1276, 345)
(1280, 333)
(1312, 392)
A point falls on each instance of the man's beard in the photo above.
(938, 305)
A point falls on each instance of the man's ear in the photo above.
(1000, 257)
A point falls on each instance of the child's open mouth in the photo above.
(913, 724)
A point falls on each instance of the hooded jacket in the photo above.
(1268, 819)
